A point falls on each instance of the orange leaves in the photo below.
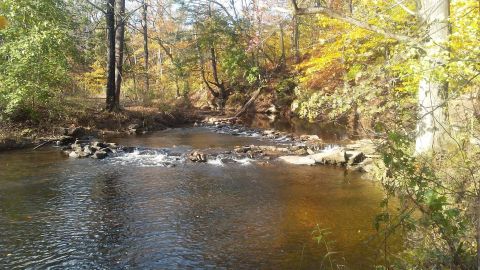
(330, 78)
(3, 22)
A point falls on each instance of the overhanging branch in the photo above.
(96, 7)
(335, 15)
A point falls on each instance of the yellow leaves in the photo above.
(3, 22)
(95, 79)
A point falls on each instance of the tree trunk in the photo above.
(296, 40)
(477, 217)
(119, 44)
(145, 45)
(282, 46)
(432, 123)
(160, 65)
(222, 97)
(110, 20)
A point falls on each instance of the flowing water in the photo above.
(151, 209)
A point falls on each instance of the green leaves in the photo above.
(436, 198)
(34, 54)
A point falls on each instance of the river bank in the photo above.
(91, 140)
(101, 124)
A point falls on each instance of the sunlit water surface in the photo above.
(135, 212)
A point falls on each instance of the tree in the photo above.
(145, 44)
(110, 23)
(119, 48)
(112, 100)
(296, 39)
(36, 53)
(282, 47)
(432, 123)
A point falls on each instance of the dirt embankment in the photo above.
(95, 123)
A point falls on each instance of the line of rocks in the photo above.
(234, 126)
(355, 157)
(298, 150)
(85, 149)
(359, 156)
(302, 150)
(78, 142)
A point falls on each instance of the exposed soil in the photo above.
(95, 122)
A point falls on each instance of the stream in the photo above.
(153, 209)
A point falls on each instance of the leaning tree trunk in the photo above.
(432, 123)
(110, 20)
(119, 43)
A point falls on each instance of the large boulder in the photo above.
(76, 147)
(100, 154)
(76, 132)
(354, 157)
(74, 154)
(368, 165)
(78, 154)
(333, 157)
(89, 150)
(65, 140)
(99, 145)
(298, 160)
(196, 156)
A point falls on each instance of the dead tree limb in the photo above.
(255, 95)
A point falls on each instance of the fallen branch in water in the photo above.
(43, 144)
(249, 102)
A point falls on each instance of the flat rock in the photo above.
(298, 160)
(309, 138)
(334, 157)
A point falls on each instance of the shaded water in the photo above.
(133, 212)
(329, 132)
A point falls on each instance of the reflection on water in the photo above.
(91, 214)
(329, 132)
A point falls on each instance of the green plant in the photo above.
(330, 259)
(439, 198)
(35, 52)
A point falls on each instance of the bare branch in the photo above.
(96, 7)
(409, 11)
(333, 14)
(224, 9)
